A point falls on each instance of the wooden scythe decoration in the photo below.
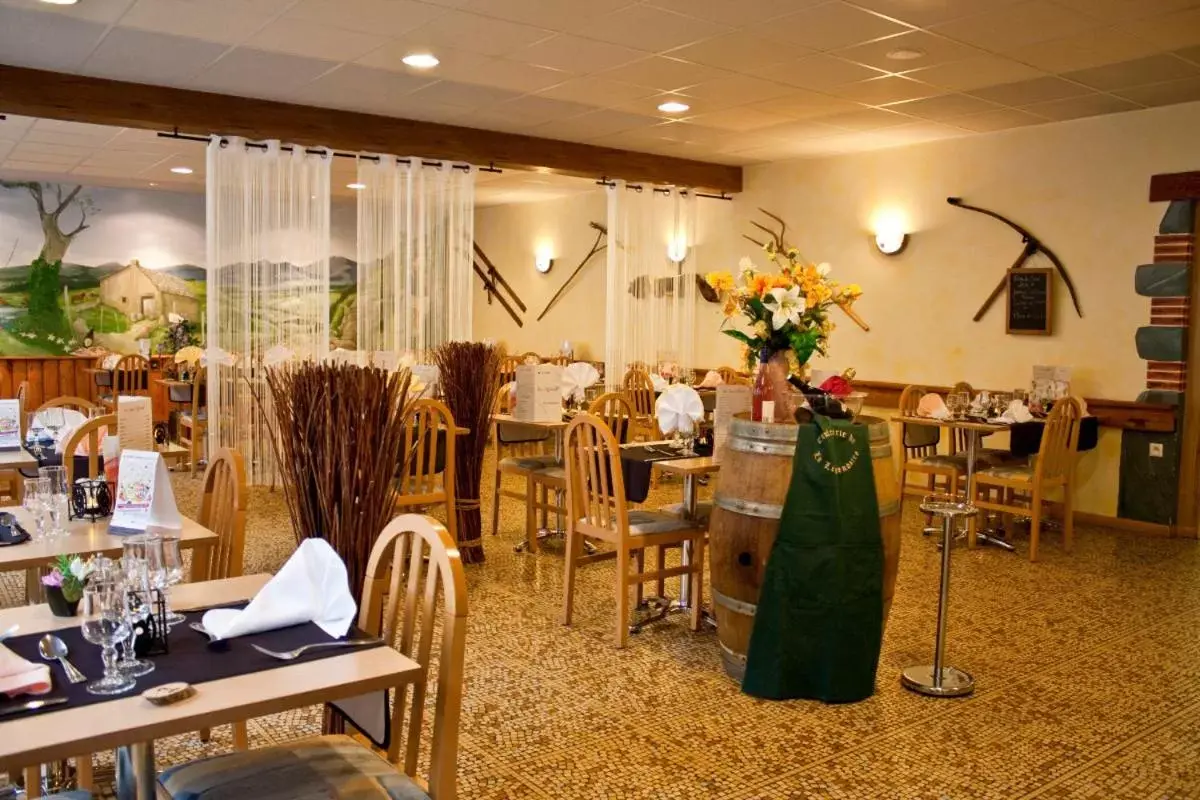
(601, 233)
(493, 282)
(1033, 246)
(777, 240)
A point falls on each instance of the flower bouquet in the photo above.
(64, 584)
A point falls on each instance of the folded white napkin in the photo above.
(712, 379)
(311, 587)
(1016, 412)
(660, 383)
(18, 676)
(577, 378)
(72, 421)
(933, 406)
(679, 409)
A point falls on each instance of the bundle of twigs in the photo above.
(339, 434)
(470, 377)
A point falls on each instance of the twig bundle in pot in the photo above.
(339, 436)
(470, 376)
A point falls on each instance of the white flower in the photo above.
(824, 268)
(81, 569)
(746, 264)
(789, 305)
(174, 318)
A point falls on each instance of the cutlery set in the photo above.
(292, 655)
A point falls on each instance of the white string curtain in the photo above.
(651, 279)
(268, 284)
(416, 233)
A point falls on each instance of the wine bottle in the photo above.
(762, 407)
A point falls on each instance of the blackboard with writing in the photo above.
(1029, 295)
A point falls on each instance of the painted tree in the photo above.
(55, 239)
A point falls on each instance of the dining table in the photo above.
(85, 538)
(557, 429)
(257, 687)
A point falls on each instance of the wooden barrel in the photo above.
(756, 471)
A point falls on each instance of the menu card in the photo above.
(144, 494)
(539, 393)
(10, 424)
(1051, 382)
(135, 423)
(731, 400)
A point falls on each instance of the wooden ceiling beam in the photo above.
(78, 98)
(1175, 186)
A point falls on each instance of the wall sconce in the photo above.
(891, 242)
(543, 260)
(677, 249)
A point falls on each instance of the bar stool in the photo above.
(937, 680)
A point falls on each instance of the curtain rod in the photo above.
(637, 187)
(318, 152)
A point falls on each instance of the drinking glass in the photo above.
(53, 419)
(166, 568)
(138, 607)
(58, 499)
(103, 613)
(1021, 395)
(1000, 402)
(34, 429)
(32, 501)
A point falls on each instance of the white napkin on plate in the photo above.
(577, 378)
(311, 587)
(72, 421)
(660, 383)
(1016, 412)
(933, 406)
(679, 409)
(18, 676)
(712, 379)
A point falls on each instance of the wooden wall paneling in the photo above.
(22, 372)
(8, 389)
(50, 379)
(66, 377)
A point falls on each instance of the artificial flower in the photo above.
(80, 569)
(759, 284)
(53, 578)
(789, 305)
(824, 268)
(746, 265)
(174, 318)
(837, 386)
(722, 282)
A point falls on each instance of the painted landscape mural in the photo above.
(93, 270)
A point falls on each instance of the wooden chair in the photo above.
(10, 480)
(69, 402)
(596, 509)
(531, 358)
(559, 360)
(919, 453)
(131, 377)
(89, 432)
(639, 391)
(423, 481)
(1024, 488)
(616, 413)
(520, 451)
(23, 396)
(508, 369)
(193, 424)
(414, 571)
(732, 376)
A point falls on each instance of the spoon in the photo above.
(11, 632)
(52, 648)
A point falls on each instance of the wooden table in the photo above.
(91, 538)
(132, 724)
(558, 428)
(17, 459)
(690, 469)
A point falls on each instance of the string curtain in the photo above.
(416, 234)
(268, 284)
(652, 269)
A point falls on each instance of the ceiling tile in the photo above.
(1191, 54)
(828, 26)
(738, 52)
(35, 167)
(797, 131)
(576, 54)
(734, 14)
(1151, 69)
(596, 91)
(664, 74)
(740, 119)
(24, 36)
(646, 28)
(384, 17)
(1087, 106)
(77, 134)
(800, 104)
(741, 89)
(923, 13)
(882, 91)
(936, 49)
(1037, 90)
(467, 95)
(256, 73)
(550, 14)
(945, 107)
(28, 150)
(817, 72)
(1164, 94)
(354, 87)
(543, 109)
(1171, 31)
(1126, 10)
(13, 126)
(225, 21)
(595, 124)
(867, 119)
(304, 38)
(1007, 28)
(105, 11)
(477, 34)
(492, 119)
(999, 120)
(973, 73)
(917, 132)
(1088, 49)
(133, 55)
(504, 74)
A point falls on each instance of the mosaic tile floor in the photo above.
(1087, 668)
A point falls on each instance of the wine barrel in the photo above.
(756, 471)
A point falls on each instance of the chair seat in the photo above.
(955, 462)
(703, 510)
(186, 417)
(527, 463)
(644, 523)
(555, 474)
(314, 769)
(1008, 472)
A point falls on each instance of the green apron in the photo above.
(819, 624)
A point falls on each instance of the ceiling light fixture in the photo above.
(182, 170)
(421, 60)
(673, 107)
(906, 54)
(356, 186)
(61, 2)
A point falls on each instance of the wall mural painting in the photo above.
(92, 271)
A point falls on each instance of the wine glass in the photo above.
(58, 500)
(166, 569)
(138, 608)
(103, 612)
(53, 419)
(1000, 402)
(33, 501)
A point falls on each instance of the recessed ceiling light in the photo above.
(356, 186)
(152, 183)
(182, 170)
(673, 107)
(61, 2)
(421, 60)
(906, 54)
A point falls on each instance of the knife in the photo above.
(32, 705)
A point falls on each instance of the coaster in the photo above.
(169, 693)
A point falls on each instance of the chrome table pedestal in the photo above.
(938, 680)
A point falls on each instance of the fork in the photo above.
(292, 655)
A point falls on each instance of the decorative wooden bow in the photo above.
(1033, 245)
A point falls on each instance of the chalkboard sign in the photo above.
(1029, 294)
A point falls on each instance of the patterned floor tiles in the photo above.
(1087, 666)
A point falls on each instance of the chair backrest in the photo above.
(132, 376)
(531, 358)
(89, 431)
(413, 565)
(199, 396)
(639, 391)
(616, 413)
(1056, 455)
(423, 479)
(508, 369)
(559, 360)
(595, 484)
(731, 376)
(963, 386)
(223, 511)
(503, 400)
(67, 401)
(918, 440)
(23, 393)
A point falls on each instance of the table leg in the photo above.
(689, 513)
(136, 776)
(981, 536)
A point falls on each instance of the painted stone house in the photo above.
(142, 293)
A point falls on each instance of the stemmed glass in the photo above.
(58, 501)
(165, 563)
(33, 499)
(53, 419)
(956, 404)
(33, 433)
(137, 608)
(104, 624)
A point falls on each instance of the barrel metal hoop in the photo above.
(879, 451)
(776, 431)
(887, 509)
(734, 605)
(748, 507)
(738, 658)
(762, 448)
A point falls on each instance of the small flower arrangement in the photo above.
(69, 574)
(787, 312)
